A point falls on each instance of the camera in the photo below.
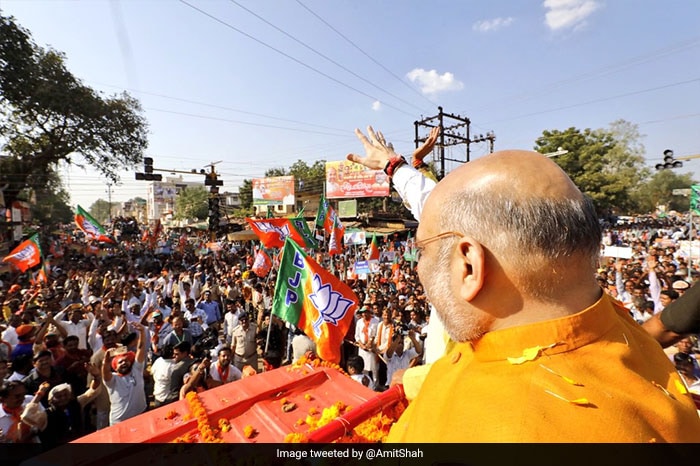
(209, 340)
(400, 330)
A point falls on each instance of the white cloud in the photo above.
(564, 14)
(431, 82)
(376, 105)
(492, 24)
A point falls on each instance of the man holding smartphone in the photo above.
(125, 385)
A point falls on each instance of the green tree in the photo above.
(47, 115)
(658, 190)
(51, 204)
(245, 192)
(192, 203)
(606, 164)
(275, 172)
(309, 179)
(100, 210)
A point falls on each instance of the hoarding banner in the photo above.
(345, 179)
(354, 238)
(276, 190)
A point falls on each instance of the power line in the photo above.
(221, 107)
(602, 99)
(308, 47)
(262, 125)
(378, 63)
(305, 65)
(603, 71)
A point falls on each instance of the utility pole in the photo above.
(109, 200)
(454, 130)
(213, 182)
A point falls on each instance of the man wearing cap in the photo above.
(125, 385)
(681, 286)
(12, 294)
(244, 344)
(25, 344)
(159, 329)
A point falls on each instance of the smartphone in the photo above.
(119, 350)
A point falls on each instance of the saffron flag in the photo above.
(313, 299)
(335, 241)
(332, 221)
(27, 254)
(272, 232)
(374, 249)
(262, 264)
(90, 226)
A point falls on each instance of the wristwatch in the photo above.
(394, 163)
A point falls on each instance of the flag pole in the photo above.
(269, 328)
(690, 237)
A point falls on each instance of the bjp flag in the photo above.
(313, 299)
(91, 227)
(272, 232)
(262, 264)
(374, 249)
(26, 255)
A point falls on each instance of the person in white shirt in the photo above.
(400, 359)
(77, 325)
(222, 371)
(162, 372)
(10, 333)
(365, 334)
(125, 386)
(233, 311)
(15, 405)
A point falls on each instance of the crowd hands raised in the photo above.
(114, 336)
(107, 339)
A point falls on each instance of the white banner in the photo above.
(355, 237)
(618, 252)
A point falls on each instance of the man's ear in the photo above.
(471, 263)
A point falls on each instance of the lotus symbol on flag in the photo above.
(331, 305)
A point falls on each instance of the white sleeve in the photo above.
(413, 187)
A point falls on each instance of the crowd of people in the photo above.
(110, 336)
(115, 334)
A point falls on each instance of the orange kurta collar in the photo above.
(557, 335)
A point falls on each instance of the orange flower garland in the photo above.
(373, 430)
(313, 361)
(206, 433)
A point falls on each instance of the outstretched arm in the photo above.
(412, 185)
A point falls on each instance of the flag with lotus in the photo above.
(314, 300)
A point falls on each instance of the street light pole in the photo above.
(109, 197)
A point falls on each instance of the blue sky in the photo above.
(261, 84)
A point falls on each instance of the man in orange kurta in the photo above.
(598, 377)
(507, 249)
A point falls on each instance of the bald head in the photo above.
(525, 210)
(521, 174)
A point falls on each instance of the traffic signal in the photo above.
(148, 174)
(669, 161)
(212, 180)
(214, 214)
